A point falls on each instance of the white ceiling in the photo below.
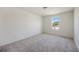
(47, 11)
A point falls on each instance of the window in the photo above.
(55, 22)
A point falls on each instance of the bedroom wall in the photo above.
(16, 24)
(66, 24)
(76, 26)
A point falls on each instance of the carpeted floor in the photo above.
(41, 43)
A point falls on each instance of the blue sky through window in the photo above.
(55, 19)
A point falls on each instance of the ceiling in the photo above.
(46, 11)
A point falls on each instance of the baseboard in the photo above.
(59, 35)
(19, 40)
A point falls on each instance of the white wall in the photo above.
(16, 24)
(76, 26)
(66, 24)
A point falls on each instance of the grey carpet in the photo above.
(41, 43)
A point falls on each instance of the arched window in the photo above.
(55, 22)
